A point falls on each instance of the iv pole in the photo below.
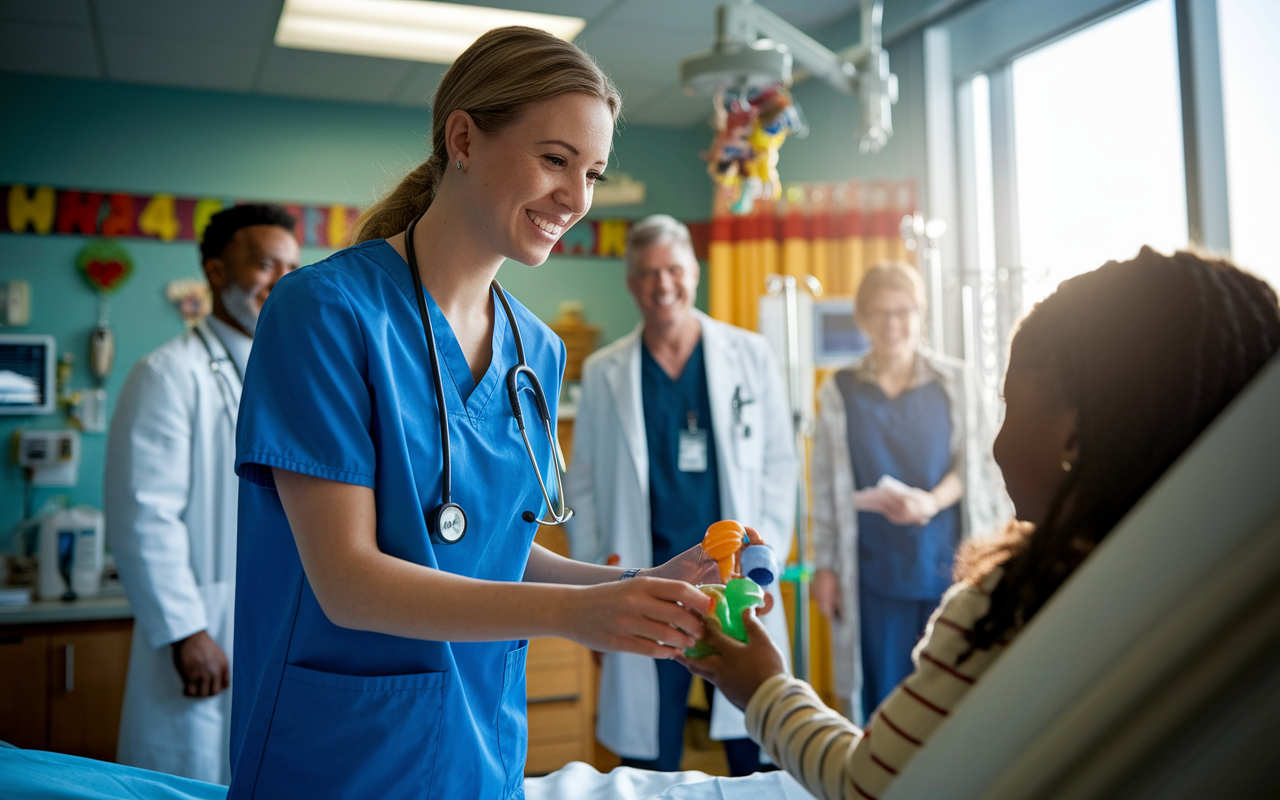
(800, 572)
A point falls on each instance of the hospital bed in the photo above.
(1153, 673)
(37, 775)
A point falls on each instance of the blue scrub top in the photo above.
(909, 438)
(339, 387)
(681, 504)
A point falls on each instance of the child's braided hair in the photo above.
(1148, 351)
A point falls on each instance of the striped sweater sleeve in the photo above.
(836, 760)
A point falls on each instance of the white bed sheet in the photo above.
(579, 781)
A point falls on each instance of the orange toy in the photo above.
(722, 543)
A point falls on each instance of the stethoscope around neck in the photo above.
(218, 366)
(447, 522)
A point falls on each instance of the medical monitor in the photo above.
(837, 339)
(27, 378)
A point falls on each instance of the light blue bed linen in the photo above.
(37, 775)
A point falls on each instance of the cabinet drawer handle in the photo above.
(71, 666)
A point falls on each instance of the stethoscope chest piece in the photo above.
(447, 523)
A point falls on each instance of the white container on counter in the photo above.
(71, 540)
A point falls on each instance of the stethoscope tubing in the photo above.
(230, 405)
(446, 480)
(559, 513)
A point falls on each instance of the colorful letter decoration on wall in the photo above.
(45, 210)
(34, 209)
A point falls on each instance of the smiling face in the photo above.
(529, 182)
(253, 261)
(891, 321)
(664, 282)
(1039, 434)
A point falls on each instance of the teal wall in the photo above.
(98, 135)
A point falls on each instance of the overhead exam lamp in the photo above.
(756, 49)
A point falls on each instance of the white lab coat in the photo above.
(171, 502)
(608, 488)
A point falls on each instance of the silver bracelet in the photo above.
(631, 573)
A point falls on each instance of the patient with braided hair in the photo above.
(1110, 379)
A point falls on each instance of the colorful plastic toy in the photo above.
(759, 564)
(735, 551)
(750, 128)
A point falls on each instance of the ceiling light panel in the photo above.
(415, 30)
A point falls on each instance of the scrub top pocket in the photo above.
(513, 721)
(352, 737)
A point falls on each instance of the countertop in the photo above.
(86, 610)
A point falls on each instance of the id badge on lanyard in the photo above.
(692, 453)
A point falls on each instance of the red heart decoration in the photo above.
(104, 273)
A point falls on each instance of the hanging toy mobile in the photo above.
(737, 552)
(750, 128)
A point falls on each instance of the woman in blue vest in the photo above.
(900, 475)
(390, 497)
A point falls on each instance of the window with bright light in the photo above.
(1248, 32)
(1098, 131)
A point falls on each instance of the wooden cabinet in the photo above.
(62, 686)
(24, 680)
(560, 681)
(561, 705)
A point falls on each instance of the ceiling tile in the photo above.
(178, 61)
(419, 85)
(249, 21)
(587, 9)
(638, 91)
(70, 13)
(332, 76)
(628, 50)
(672, 108)
(811, 12)
(48, 50)
(698, 16)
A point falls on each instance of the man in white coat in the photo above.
(681, 422)
(171, 503)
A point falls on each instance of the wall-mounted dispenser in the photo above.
(53, 457)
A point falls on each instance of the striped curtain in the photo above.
(832, 231)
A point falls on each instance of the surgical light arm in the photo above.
(755, 47)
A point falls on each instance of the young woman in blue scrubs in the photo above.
(371, 660)
(910, 414)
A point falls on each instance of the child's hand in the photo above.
(738, 669)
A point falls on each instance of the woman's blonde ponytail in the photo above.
(493, 80)
(405, 203)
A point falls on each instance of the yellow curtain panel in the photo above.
(832, 231)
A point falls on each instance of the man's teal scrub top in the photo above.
(339, 387)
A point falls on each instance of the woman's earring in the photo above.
(1066, 466)
(459, 163)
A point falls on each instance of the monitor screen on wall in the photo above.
(27, 378)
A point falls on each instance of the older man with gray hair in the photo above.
(682, 422)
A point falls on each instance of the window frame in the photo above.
(986, 38)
